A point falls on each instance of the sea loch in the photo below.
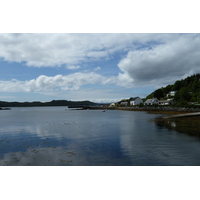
(55, 136)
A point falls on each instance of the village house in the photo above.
(136, 101)
(166, 102)
(124, 103)
(171, 94)
(112, 105)
(150, 102)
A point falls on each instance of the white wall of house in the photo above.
(136, 101)
(171, 93)
(166, 102)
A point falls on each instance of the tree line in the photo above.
(187, 90)
(51, 103)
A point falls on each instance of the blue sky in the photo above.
(96, 67)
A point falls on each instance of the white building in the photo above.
(166, 102)
(124, 103)
(151, 102)
(112, 105)
(171, 93)
(135, 101)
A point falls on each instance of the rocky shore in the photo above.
(160, 109)
(163, 109)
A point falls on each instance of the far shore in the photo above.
(5, 108)
(169, 110)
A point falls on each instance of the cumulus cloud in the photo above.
(97, 68)
(46, 83)
(50, 50)
(150, 59)
(163, 63)
(73, 67)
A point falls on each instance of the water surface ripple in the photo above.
(55, 136)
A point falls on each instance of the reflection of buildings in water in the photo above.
(186, 125)
(173, 124)
(165, 123)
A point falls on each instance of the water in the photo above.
(55, 136)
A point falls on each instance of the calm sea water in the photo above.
(56, 136)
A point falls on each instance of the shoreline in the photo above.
(5, 108)
(150, 109)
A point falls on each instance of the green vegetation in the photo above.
(187, 90)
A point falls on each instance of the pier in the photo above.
(77, 106)
(183, 115)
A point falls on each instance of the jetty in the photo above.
(77, 106)
(5, 109)
(183, 115)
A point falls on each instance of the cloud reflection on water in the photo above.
(96, 138)
(53, 156)
(43, 130)
(153, 145)
(83, 153)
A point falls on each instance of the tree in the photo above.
(176, 86)
(182, 95)
(158, 94)
(167, 89)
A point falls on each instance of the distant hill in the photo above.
(51, 103)
(187, 90)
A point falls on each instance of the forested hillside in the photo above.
(51, 103)
(187, 90)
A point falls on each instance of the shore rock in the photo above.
(160, 108)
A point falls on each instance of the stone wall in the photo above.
(161, 108)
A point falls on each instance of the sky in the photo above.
(100, 67)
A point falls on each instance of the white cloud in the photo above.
(125, 80)
(106, 100)
(151, 59)
(50, 50)
(97, 68)
(97, 54)
(162, 64)
(45, 83)
(73, 67)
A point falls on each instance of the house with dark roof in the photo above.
(150, 102)
(124, 103)
(166, 102)
(136, 101)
